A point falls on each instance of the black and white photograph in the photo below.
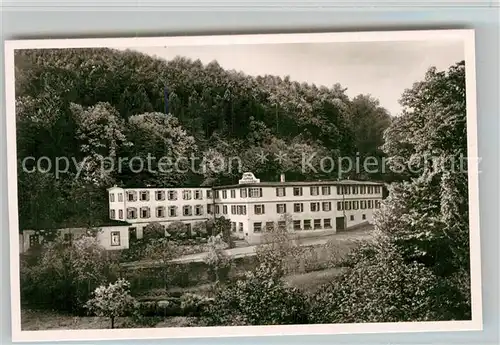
(191, 186)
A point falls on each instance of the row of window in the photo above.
(357, 204)
(299, 207)
(259, 209)
(35, 239)
(308, 224)
(160, 195)
(160, 212)
(132, 231)
(358, 190)
(253, 192)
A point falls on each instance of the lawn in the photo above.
(311, 281)
(34, 320)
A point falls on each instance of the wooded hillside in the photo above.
(92, 103)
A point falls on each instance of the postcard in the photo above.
(243, 185)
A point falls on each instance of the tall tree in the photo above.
(101, 136)
(160, 152)
(427, 216)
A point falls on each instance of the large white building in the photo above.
(252, 206)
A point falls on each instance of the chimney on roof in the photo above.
(282, 178)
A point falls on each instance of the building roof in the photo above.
(301, 184)
(158, 187)
(110, 222)
(266, 184)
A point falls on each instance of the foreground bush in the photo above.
(194, 304)
(261, 298)
(381, 287)
(64, 276)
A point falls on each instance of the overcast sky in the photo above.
(382, 69)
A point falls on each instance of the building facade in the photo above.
(142, 206)
(252, 206)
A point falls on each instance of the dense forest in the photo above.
(85, 104)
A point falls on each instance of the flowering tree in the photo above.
(112, 301)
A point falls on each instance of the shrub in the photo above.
(138, 320)
(186, 249)
(279, 250)
(65, 276)
(199, 229)
(135, 252)
(194, 304)
(153, 231)
(260, 298)
(178, 231)
(381, 287)
(164, 307)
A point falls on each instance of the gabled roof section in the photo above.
(302, 184)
